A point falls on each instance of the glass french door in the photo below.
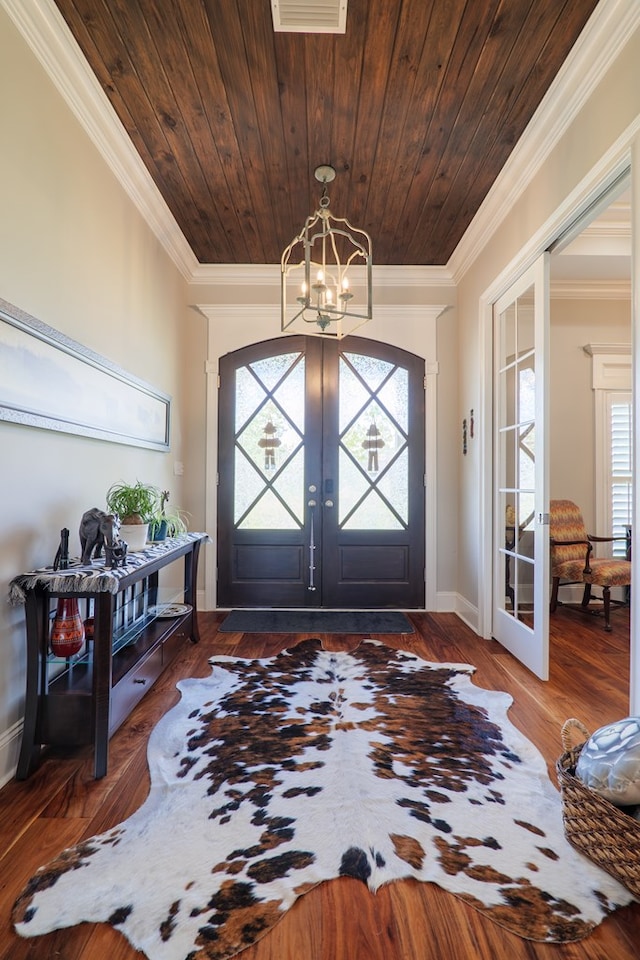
(521, 531)
(321, 466)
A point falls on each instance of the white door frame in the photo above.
(624, 156)
(530, 644)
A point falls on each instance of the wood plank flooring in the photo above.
(340, 920)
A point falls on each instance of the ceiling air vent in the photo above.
(309, 16)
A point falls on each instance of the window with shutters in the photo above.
(611, 372)
(620, 477)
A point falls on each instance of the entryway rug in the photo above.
(364, 622)
(273, 775)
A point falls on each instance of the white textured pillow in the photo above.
(609, 762)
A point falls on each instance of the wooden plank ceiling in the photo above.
(417, 106)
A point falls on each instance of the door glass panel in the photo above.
(353, 485)
(372, 514)
(269, 514)
(373, 439)
(527, 456)
(508, 335)
(249, 395)
(526, 392)
(290, 485)
(353, 395)
(394, 485)
(269, 438)
(373, 423)
(516, 463)
(372, 370)
(271, 370)
(289, 395)
(269, 421)
(393, 396)
(248, 485)
(525, 323)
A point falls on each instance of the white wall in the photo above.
(76, 254)
(575, 323)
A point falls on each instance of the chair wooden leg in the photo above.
(586, 596)
(606, 596)
(554, 594)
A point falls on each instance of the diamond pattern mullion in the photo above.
(382, 473)
(372, 390)
(249, 420)
(373, 484)
(267, 484)
(374, 395)
(355, 507)
(287, 373)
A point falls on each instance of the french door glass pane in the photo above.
(372, 514)
(269, 462)
(269, 513)
(517, 392)
(373, 465)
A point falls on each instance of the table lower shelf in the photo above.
(66, 711)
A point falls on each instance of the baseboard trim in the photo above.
(10, 742)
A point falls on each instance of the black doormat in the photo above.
(316, 621)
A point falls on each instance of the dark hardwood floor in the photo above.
(340, 920)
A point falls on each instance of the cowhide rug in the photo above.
(273, 775)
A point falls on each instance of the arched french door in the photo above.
(321, 475)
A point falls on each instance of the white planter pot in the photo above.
(135, 535)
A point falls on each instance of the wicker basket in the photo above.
(594, 826)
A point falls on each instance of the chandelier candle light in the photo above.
(318, 273)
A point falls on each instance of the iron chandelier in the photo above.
(326, 282)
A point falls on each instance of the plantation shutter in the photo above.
(620, 423)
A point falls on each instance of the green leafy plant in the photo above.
(133, 503)
(167, 523)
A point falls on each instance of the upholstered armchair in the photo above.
(571, 560)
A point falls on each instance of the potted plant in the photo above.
(135, 505)
(167, 523)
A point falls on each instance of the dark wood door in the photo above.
(321, 490)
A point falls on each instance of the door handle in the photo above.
(328, 503)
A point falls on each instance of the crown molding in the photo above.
(229, 312)
(267, 274)
(607, 31)
(44, 30)
(607, 349)
(600, 290)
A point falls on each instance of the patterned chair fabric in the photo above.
(571, 560)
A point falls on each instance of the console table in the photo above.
(84, 698)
